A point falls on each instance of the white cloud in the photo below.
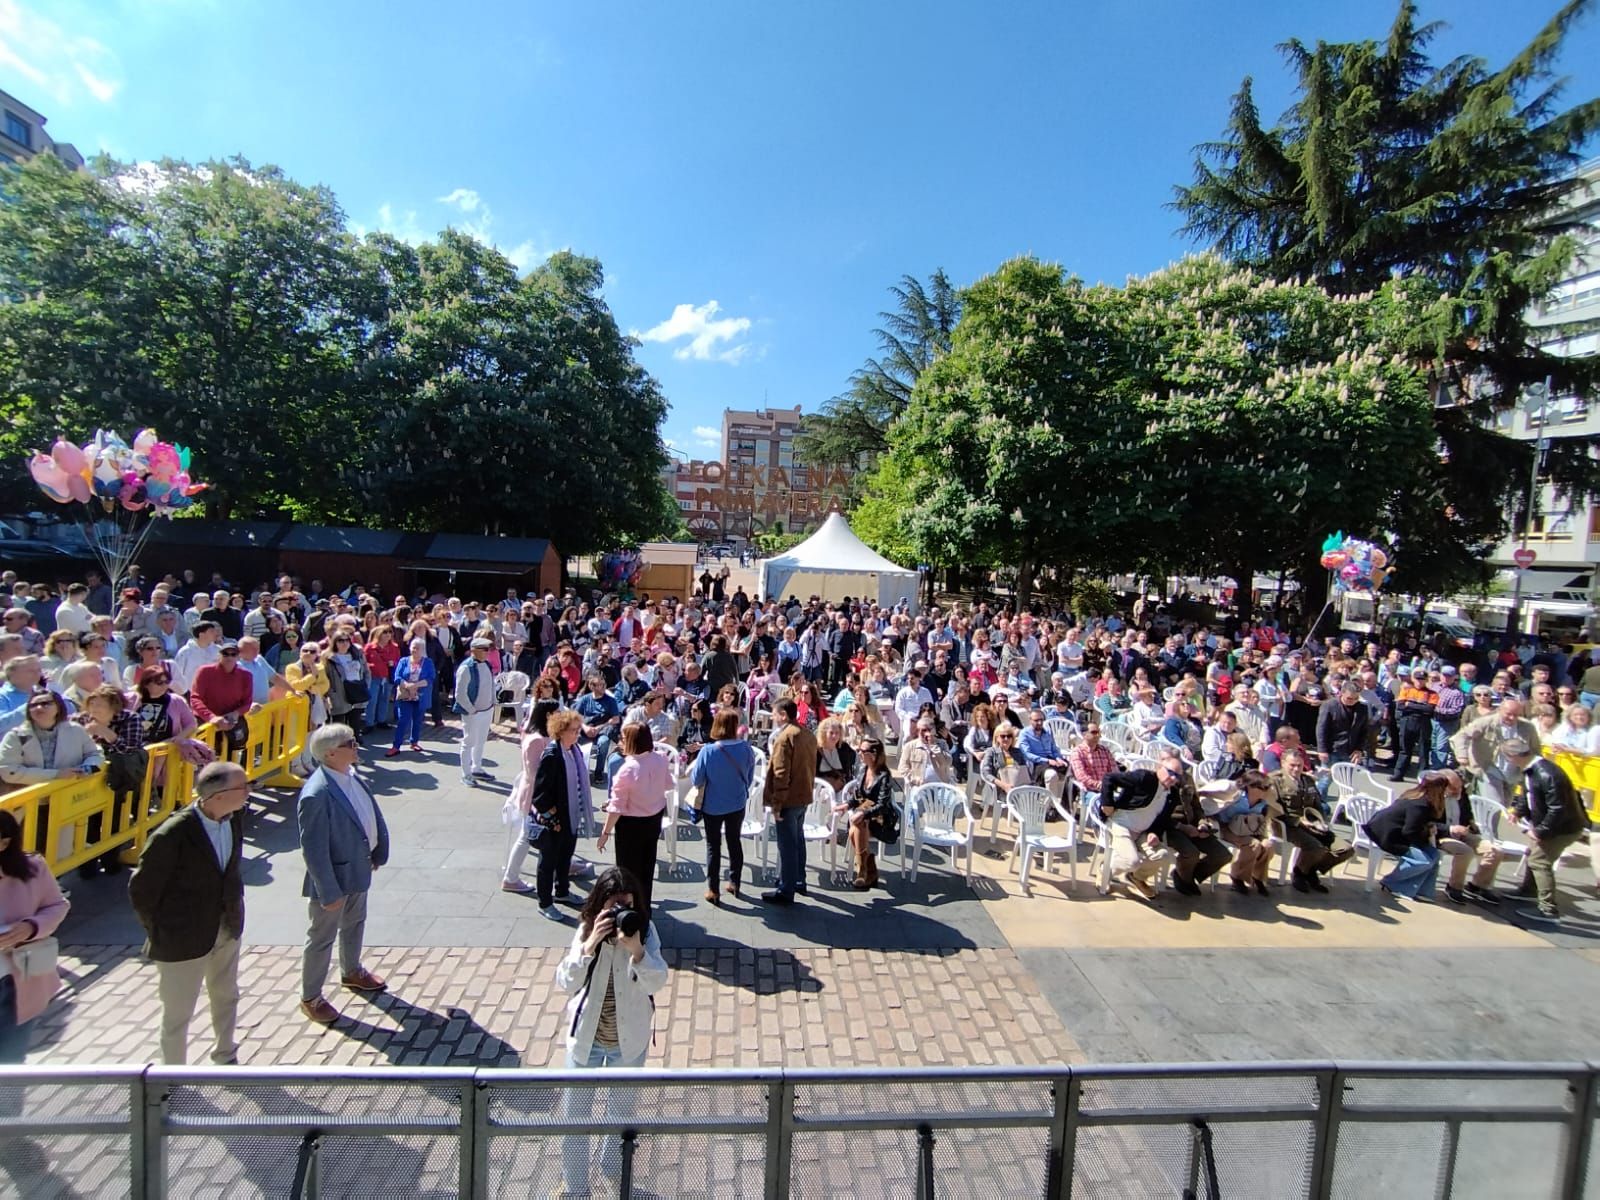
(479, 223)
(465, 199)
(101, 89)
(705, 330)
(62, 67)
(708, 435)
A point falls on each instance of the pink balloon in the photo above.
(52, 480)
(78, 488)
(68, 457)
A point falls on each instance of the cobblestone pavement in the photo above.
(499, 1007)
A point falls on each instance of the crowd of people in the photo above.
(1179, 751)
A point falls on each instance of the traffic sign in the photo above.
(1524, 558)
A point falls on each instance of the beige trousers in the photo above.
(1130, 857)
(1482, 858)
(180, 989)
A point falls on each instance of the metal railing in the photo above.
(1278, 1130)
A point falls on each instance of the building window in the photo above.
(18, 130)
(685, 505)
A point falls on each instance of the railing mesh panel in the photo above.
(66, 1166)
(1197, 1097)
(517, 1105)
(919, 1099)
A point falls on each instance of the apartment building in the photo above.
(22, 135)
(1559, 589)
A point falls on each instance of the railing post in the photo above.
(474, 1138)
(138, 1185)
(1580, 1137)
(1063, 1137)
(153, 1119)
(925, 1140)
(1325, 1147)
(780, 1137)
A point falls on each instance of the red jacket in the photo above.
(217, 693)
(381, 660)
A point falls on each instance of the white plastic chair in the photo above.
(1359, 810)
(1138, 762)
(1487, 814)
(1029, 806)
(1345, 779)
(1205, 771)
(677, 805)
(937, 807)
(757, 821)
(818, 825)
(517, 683)
(1117, 733)
(1064, 731)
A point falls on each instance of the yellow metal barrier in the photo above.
(1584, 771)
(63, 808)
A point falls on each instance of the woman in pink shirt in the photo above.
(31, 907)
(638, 800)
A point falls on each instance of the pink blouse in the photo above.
(533, 745)
(641, 786)
(38, 900)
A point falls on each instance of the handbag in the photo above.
(355, 691)
(693, 801)
(36, 958)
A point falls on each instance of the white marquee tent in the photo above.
(834, 563)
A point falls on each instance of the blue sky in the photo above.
(753, 176)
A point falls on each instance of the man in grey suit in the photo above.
(344, 840)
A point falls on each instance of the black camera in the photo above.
(626, 921)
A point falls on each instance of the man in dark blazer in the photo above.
(189, 896)
(344, 840)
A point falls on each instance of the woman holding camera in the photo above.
(611, 970)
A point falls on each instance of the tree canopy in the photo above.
(852, 429)
(1389, 164)
(315, 373)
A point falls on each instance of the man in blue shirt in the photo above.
(601, 721)
(1044, 757)
(262, 676)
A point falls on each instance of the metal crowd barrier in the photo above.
(64, 807)
(1276, 1131)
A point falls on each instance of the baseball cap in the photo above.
(482, 643)
(1447, 669)
(131, 593)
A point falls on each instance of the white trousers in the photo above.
(474, 734)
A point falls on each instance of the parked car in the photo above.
(1452, 637)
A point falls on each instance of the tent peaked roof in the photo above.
(836, 549)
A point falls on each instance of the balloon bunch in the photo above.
(1356, 565)
(150, 474)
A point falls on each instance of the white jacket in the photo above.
(633, 984)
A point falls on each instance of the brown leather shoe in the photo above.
(363, 981)
(320, 1011)
(711, 895)
(731, 888)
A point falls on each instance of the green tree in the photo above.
(1014, 444)
(1388, 163)
(852, 430)
(208, 301)
(516, 405)
(1274, 413)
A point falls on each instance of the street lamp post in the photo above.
(1536, 399)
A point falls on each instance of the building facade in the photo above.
(759, 485)
(22, 135)
(1559, 589)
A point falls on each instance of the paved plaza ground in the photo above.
(923, 972)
